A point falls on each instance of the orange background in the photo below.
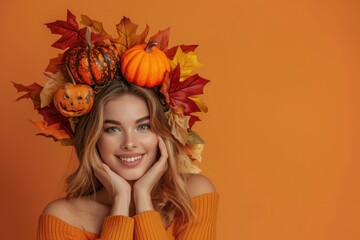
(282, 131)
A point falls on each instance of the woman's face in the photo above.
(127, 144)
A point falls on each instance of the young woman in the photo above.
(131, 181)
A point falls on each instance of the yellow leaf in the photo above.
(194, 138)
(195, 151)
(187, 165)
(194, 146)
(199, 102)
(188, 63)
(55, 81)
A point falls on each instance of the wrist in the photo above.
(121, 205)
(143, 202)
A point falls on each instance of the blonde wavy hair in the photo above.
(173, 199)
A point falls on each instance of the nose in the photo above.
(129, 141)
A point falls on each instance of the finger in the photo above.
(102, 172)
(163, 150)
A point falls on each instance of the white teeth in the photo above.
(130, 159)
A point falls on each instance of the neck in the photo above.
(104, 197)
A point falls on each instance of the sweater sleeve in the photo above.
(149, 226)
(203, 226)
(114, 227)
(117, 227)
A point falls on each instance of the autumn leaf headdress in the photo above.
(91, 58)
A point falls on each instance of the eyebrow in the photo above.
(118, 123)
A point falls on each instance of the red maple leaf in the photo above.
(192, 120)
(72, 36)
(52, 116)
(178, 92)
(55, 64)
(32, 92)
(162, 39)
(170, 53)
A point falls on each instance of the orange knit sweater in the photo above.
(146, 225)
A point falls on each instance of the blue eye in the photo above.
(144, 127)
(112, 129)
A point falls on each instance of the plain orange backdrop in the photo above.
(282, 132)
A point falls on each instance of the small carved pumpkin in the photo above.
(145, 65)
(93, 65)
(74, 100)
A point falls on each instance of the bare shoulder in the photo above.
(63, 209)
(198, 184)
(79, 212)
(60, 208)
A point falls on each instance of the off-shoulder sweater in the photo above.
(146, 225)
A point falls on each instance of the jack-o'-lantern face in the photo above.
(74, 100)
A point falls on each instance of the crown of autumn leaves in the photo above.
(91, 58)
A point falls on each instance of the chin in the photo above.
(132, 176)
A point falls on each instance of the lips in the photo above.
(130, 160)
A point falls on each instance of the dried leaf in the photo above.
(179, 124)
(179, 92)
(96, 25)
(170, 53)
(32, 92)
(188, 166)
(188, 63)
(195, 151)
(194, 146)
(53, 130)
(162, 39)
(71, 35)
(194, 138)
(55, 64)
(127, 35)
(55, 81)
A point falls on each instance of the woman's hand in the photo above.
(144, 185)
(118, 188)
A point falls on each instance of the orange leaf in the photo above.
(165, 87)
(96, 25)
(53, 130)
(32, 92)
(127, 35)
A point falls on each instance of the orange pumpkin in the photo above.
(93, 65)
(74, 100)
(145, 65)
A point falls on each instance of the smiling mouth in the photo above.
(130, 159)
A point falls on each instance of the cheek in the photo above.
(104, 145)
(151, 143)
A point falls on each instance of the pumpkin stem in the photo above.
(149, 46)
(88, 37)
(71, 76)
